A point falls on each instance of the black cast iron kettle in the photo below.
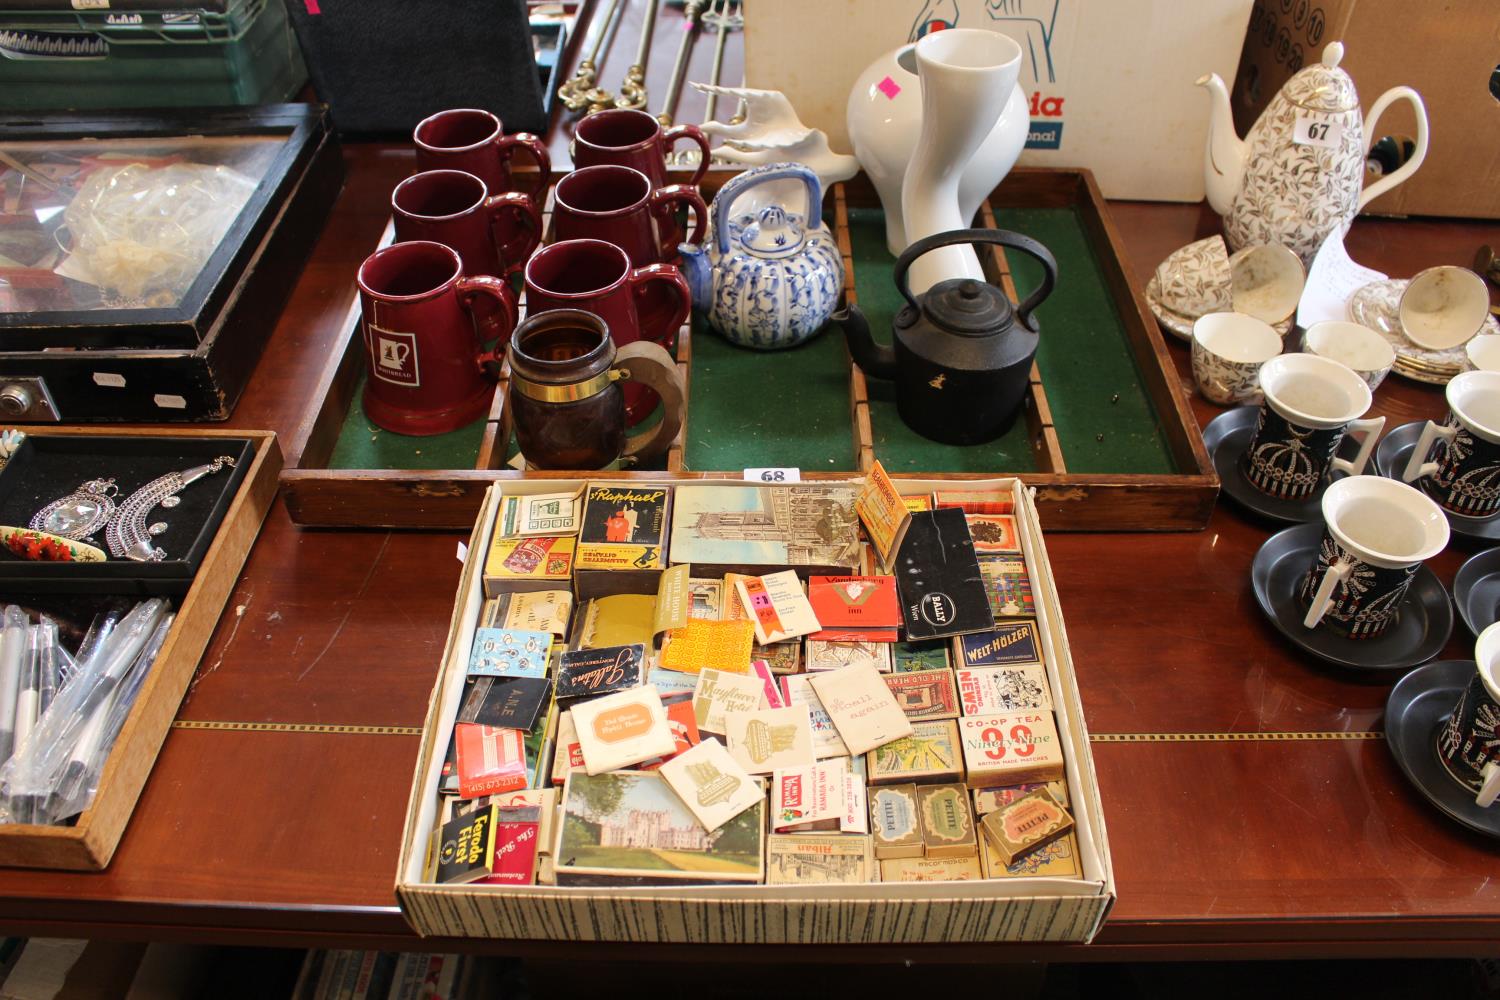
(962, 352)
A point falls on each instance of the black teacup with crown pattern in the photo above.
(1457, 462)
(1310, 404)
(1468, 741)
(1376, 535)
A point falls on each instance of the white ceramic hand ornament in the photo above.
(772, 133)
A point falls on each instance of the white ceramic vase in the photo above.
(968, 76)
(884, 120)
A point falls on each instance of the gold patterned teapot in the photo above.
(1297, 176)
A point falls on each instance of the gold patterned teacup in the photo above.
(1483, 353)
(1266, 282)
(1365, 352)
(1228, 350)
(1194, 279)
(1443, 307)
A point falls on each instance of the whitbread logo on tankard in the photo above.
(396, 356)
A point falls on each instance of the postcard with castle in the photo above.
(631, 825)
(766, 527)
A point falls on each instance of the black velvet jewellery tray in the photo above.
(47, 468)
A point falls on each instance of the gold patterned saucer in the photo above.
(1378, 307)
(1181, 324)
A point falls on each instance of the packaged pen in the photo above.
(48, 761)
(97, 741)
(13, 634)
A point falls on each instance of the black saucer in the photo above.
(1418, 704)
(1227, 436)
(1421, 629)
(1391, 457)
(1476, 590)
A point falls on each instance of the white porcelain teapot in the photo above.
(1297, 176)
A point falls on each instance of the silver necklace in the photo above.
(79, 514)
(128, 535)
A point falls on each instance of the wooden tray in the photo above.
(89, 845)
(1177, 496)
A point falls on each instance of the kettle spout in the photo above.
(1224, 154)
(875, 360)
(698, 271)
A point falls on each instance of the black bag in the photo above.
(383, 65)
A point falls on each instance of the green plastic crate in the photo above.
(54, 60)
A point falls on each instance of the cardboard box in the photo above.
(1443, 51)
(1110, 81)
(1013, 909)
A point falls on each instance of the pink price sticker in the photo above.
(890, 88)
(312, 7)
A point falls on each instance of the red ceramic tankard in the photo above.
(616, 204)
(635, 139)
(475, 142)
(643, 303)
(426, 366)
(455, 208)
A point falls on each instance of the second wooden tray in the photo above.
(1105, 436)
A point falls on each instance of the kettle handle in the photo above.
(999, 237)
(742, 182)
(1419, 153)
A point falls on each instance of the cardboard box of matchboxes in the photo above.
(1032, 908)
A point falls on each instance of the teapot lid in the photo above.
(772, 232)
(1323, 86)
(966, 306)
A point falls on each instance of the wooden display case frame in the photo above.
(317, 496)
(90, 843)
(191, 362)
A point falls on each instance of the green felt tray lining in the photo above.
(791, 408)
(362, 445)
(1105, 419)
(751, 409)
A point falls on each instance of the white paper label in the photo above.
(109, 379)
(463, 552)
(1331, 280)
(1314, 130)
(773, 475)
(168, 402)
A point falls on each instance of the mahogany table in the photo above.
(274, 812)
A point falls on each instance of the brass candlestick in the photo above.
(581, 90)
(633, 87)
(690, 12)
(724, 17)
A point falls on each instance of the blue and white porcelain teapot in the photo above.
(768, 277)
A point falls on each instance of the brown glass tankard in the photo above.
(565, 397)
